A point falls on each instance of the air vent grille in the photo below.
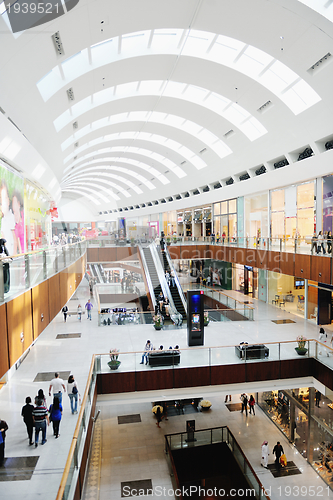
(76, 144)
(163, 200)
(186, 195)
(244, 177)
(320, 63)
(137, 206)
(229, 181)
(2, 111)
(58, 44)
(205, 189)
(70, 94)
(75, 125)
(261, 170)
(202, 150)
(182, 163)
(196, 191)
(264, 106)
(178, 197)
(217, 185)
(229, 133)
(150, 204)
(281, 163)
(170, 198)
(329, 145)
(305, 154)
(155, 202)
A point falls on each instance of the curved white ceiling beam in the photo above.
(209, 139)
(120, 189)
(323, 7)
(175, 146)
(93, 191)
(92, 184)
(82, 193)
(126, 182)
(297, 94)
(151, 155)
(129, 161)
(100, 171)
(200, 96)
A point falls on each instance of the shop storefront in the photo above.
(225, 219)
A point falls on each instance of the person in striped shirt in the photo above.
(41, 418)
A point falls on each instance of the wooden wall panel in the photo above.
(92, 254)
(63, 287)
(40, 307)
(174, 252)
(320, 269)
(4, 361)
(273, 261)
(251, 256)
(220, 253)
(186, 252)
(107, 254)
(227, 374)
(19, 320)
(54, 296)
(302, 266)
(191, 377)
(263, 371)
(109, 383)
(149, 380)
(287, 263)
(261, 259)
(126, 253)
(237, 255)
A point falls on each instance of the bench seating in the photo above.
(247, 351)
(163, 358)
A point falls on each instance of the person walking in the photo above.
(40, 395)
(41, 419)
(251, 404)
(264, 454)
(57, 384)
(3, 429)
(278, 450)
(5, 264)
(64, 310)
(79, 312)
(89, 307)
(323, 339)
(226, 398)
(321, 243)
(318, 398)
(26, 413)
(158, 416)
(244, 399)
(73, 393)
(55, 412)
(148, 347)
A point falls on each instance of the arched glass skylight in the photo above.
(101, 171)
(132, 150)
(186, 153)
(102, 161)
(220, 49)
(231, 111)
(108, 183)
(194, 129)
(82, 193)
(93, 185)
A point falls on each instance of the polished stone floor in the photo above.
(73, 355)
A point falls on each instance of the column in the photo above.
(309, 450)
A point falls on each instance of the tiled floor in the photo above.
(125, 445)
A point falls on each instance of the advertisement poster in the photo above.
(12, 210)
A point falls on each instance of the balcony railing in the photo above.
(29, 269)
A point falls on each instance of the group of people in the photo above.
(321, 242)
(149, 347)
(162, 305)
(79, 311)
(39, 416)
(247, 402)
(280, 458)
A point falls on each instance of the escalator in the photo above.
(152, 273)
(173, 289)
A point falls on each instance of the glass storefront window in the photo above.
(233, 226)
(217, 208)
(232, 206)
(277, 200)
(305, 221)
(305, 195)
(277, 225)
(224, 207)
(276, 405)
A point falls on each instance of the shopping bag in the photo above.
(283, 460)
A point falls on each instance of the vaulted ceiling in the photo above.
(130, 103)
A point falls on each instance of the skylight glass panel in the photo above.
(225, 49)
(253, 61)
(197, 42)
(97, 186)
(179, 172)
(195, 94)
(104, 53)
(221, 149)
(137, 116)
(85, 195)
(89, 190)
(62, 120)
(134, 43)
(174, 89)
(126, 89)
(323, 7)
(252, 128)
(303, 94)
(50, 83)
(207, 137)
(163, 39)
(102, 122)
(81, 107)
(75, 66)
(216, 102)
(100, 179)
(198, 162)
(236, 114)
(172, 120)
(150, 87)
(103, 96)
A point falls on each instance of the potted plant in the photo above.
(301, 349)
(114, 363)
(206, 318)
(168, 240)
(158, 322)
(205, 405)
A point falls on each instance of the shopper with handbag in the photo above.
(73, 393)
(55, 412)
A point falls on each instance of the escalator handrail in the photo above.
(148, 278)
(178, 285)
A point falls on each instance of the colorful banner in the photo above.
(12, 210)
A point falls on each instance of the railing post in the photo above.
(27, 270)
(56, 260)
(64, 255)
(44, 265)
(2, 286)
(280, 244)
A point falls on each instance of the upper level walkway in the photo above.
(57, 349)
